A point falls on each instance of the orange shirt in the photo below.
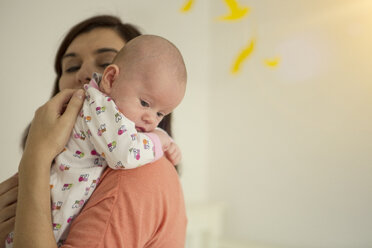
(137, 208)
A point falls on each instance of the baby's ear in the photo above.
(109, 76)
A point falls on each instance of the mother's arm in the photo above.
(49, 132)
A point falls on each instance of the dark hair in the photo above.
(125, 30)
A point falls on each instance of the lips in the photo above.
(140, 129)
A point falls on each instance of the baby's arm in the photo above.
(114, 137)
(171, 149)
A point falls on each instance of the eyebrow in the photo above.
(105, 50)
(98, 51)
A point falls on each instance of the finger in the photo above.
(63, 97)
(6, 227)
(166, 147)
(8, 212)
(8, 197)
(8, 184)
(168, 154)
(171, 148)
(171, 157)
(73, 108)
(178, 159)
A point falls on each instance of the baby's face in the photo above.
(146, 99)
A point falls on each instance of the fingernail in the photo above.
(79, 93)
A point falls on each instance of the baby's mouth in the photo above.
(140, 129)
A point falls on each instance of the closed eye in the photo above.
(160, 114)
(105, 65)
(73, 69)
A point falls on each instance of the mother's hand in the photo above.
(52, 124)
(8, 201)
(49, 133)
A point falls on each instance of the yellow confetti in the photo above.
(244, 54)
(187, 6)
(236, 11)
(272, 62)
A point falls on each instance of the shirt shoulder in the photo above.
(141, 207)
(155, 195)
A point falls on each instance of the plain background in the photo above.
(287, 149)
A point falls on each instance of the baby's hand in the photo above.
(164, 138)
(173, 153)
(171, 149)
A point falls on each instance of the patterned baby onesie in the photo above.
(102, 136)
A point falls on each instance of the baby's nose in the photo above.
(149, 118)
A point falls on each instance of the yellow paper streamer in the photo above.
(244, 54)
(236, 11)
(187, 6)
(272, 62)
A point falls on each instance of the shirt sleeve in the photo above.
(114, 136)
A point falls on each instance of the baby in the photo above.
(117, 126)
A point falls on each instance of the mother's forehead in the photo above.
(95, 39)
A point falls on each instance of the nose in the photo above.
(84, 75)
(149, 118)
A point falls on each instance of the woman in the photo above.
(135, 208)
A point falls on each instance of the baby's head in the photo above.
(147, 80)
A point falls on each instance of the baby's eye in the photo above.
(160, 115)
(144, 104)
(73, 69)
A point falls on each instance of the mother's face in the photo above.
(89, 52)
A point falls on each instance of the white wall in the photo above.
(290, 151)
